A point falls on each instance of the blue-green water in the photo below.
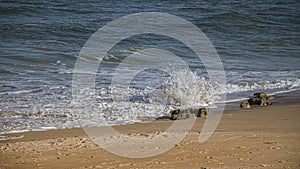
(258, 44)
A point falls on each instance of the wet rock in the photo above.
(202, 112)
(173, 117)
(255, 101)
(261, 95)
(181, 114)
(188, 113)
(260, 98)
(245, 104)
(263, 101)
(174, 114)
(164, 118)
(185, 114)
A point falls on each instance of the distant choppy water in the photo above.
(258, 43)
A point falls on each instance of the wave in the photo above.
(52, 106)
(291, 83)
(10, 9)
(228, 15)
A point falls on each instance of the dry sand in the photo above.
(260, 137)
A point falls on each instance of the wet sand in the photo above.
(260, 137)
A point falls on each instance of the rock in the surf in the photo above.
(174, 114)
(245, 104)
(202, 112)
(166, 117)
(257, 101)
(187, 113)
(182, 114)
(261, 95)
(260, 98)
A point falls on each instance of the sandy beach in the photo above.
(260, 137)
(82, 82)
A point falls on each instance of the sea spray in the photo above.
(191, 91)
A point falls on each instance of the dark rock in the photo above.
(245, 104)
(254, 101)
(260, 98)
(177, 111)
(261, 95)
(263, 101)
(173, 117)
(188, 113)
(164, 118)
(185, 114)
(202, 112)
(258, 101)
(174, 114)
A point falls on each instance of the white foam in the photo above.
(287, 84)
(182, 87)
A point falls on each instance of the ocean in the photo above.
(258, 44)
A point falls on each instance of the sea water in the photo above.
(258, 44)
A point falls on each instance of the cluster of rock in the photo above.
(185, 114)
(178, 114)
(260, 98)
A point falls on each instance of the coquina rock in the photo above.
(260, 98)
(245, 104)
(202, 112)
(188, 113)
(174, 114)
(256, 101)
(185, 114)
(261, 95)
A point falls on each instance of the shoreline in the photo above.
(229, 105)
(259, 137)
